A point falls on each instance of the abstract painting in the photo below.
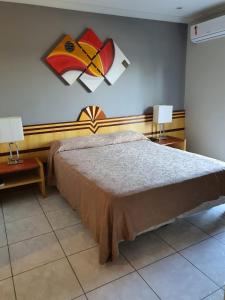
(88, 60)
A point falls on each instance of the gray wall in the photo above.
(205, 98)
(157, 52)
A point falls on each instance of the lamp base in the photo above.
(14, 161)
(2, 183)
(162, 137)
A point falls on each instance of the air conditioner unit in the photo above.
(208, 30)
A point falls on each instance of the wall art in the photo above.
(88, 60)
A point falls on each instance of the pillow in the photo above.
(98, 140)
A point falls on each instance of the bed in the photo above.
(122, 184)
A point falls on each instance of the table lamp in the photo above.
(11, 131)
(162, 114)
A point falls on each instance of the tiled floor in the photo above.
(47, 254)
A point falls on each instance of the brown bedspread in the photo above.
(122, 184)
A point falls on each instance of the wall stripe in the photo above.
(39, 137)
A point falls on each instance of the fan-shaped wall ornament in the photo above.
(88, 59)
(91, 113)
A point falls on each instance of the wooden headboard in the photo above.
(91, 120)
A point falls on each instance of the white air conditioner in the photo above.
(208, 30)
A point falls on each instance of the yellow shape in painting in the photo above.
(70, 48)
(98, 63)
(92, 51)
(89, 49)
(93, 71)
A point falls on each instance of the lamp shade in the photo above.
(162, 114)
(11, 129)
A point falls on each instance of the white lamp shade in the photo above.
(162, 114)
(11, 129)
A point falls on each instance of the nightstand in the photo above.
(171, 141)
(29, 172)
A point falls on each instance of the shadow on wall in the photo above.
(148, 110)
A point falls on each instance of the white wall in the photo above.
(205, 98)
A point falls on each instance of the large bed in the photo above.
(122, 184)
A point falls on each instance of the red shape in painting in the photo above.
(107, 55)
(63, 63)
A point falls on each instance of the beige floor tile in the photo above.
(91, 274)
(75, 238)
(5, 270)
(27, 228)
(174, 278)
(209, 257)
(20, 205)
(63, 218)
(145, 249)
(181, 234)
(80, 298)
(219, 295)
(54, 281)
(53, 201)
(130, 287)
(3, 240)
(209, 221)
(7, 290)
(34, 252)
(220, 237)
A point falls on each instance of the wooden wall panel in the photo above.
(39, 137)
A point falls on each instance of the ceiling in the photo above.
(164, 10)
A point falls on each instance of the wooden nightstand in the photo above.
(171, 141)
(28, 172)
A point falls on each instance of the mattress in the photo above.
(123, 184)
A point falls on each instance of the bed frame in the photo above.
(90, 121)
